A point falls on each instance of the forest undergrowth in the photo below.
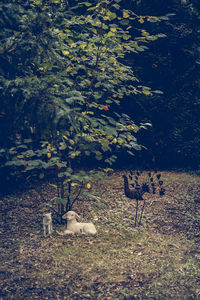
(157, 260)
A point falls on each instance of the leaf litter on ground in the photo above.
(159, 259)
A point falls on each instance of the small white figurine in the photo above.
(76, 227)
(47, 223)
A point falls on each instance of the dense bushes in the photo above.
(67, 79)
(64, 73)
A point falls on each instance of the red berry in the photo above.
(25, 165)
(106, 108)
(58, 167)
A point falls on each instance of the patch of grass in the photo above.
(158, 260)
(156, 264)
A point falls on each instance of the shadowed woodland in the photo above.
(99, 114)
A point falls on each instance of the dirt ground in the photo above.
(157, 260)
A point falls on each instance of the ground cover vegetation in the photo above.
(157, 260)
(87, 87)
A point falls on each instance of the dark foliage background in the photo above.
(171, 65)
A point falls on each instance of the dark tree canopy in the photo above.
(98, 57)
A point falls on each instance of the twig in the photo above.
(77, 194)
(141, 213)
(136, 212)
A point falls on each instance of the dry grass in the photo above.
(158, 260)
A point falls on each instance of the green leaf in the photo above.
(158, 92)
(87, 4)
(110, 130)
(61, 174)
(58, 200)
(146, 92)
(53, 185)
(87, 153)
(131, 153)
(41, 176)
(62, 146)
(98, 157)
(111, 15)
